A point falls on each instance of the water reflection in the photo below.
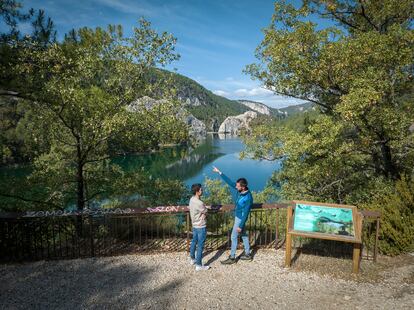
(174, 163)
(192, 165)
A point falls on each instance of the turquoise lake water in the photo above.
(188, 164)
(193, 165)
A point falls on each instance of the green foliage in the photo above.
(13, 147)
(10, 142)
(10, 16)
(149, 191)
(360, 79)
(43, 29)
(360, 75)
(75, 94)
(215, 192)
(269, 194)
(396, 204)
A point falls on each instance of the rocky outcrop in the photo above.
(214, 125)
(145, 102)
(195, 126)
(234, 124)
(191, 101)
(256, 106)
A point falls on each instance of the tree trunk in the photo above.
(80, 190)
(390, 169)
(80, 181)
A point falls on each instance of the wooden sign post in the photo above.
(324, 221)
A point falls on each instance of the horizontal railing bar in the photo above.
(132, 211)
(156, 210)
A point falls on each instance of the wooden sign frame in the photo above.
(356, 239)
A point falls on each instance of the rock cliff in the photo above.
(256, 106)
(234, 124)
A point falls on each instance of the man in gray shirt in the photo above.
(198, 212)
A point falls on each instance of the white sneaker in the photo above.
(192, 261)
(201, 268)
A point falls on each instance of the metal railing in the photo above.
(56, 235)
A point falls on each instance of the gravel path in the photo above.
(166, 281)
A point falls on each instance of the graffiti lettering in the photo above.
(76, 212)
(164, 209)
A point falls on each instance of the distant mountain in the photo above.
(256, 106)
(280, 113)
(300, 108)
(201, 102)
(212, 109)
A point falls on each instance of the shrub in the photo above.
(215, 192)
(397, 221)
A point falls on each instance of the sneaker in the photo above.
(247, 257)
(201, 268)
(192, 261)
(229, 261)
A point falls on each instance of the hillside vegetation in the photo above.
(199, 101)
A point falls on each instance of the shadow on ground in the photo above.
(96, 283)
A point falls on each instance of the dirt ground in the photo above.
(167, 281)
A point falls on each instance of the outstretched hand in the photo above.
(215, 169)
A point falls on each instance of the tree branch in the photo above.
(26, 199)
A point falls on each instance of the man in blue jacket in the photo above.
(244, 201)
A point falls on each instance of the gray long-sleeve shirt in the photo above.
(197, 212)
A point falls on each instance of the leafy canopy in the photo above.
(76, 94)
(359, 72)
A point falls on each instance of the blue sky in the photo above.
(216, 39)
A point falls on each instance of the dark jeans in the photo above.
(199, 237)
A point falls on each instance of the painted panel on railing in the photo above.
(128, 211)
(76, 212)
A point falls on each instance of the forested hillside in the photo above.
(199, 101)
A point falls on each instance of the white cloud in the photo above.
(257, 91)
(232, 88)
(128, 7)
(221, 93)
(228, 83)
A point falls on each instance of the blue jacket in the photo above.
(243, 201)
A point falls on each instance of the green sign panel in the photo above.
(321, 219)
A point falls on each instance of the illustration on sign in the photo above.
(329, 220)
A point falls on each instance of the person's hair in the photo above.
(195, 188)
(242, 182)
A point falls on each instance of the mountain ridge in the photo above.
(211, 109)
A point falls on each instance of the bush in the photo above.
(397, 221)
(215, 192)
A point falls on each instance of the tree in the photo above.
(78, 92)
(359, 72)
(12, 146)
(11, 15)
(43, 29)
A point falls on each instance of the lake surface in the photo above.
(193, 165)
(188, 164)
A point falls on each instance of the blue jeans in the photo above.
(235, 239)
(199, 237)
